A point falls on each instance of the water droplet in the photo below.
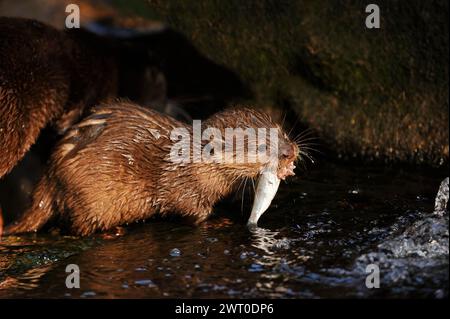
(439, 294)
(282, 244)
(88, 294)
(175, 252)
(155, 133)
(256, 268)
(145, 282)
(41, 204)
(129, 158)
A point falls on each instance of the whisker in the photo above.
(301, 161)
(293, 126)
(305, 132)
(310, 149)
(309, 133)
(253, 183)
(317, 152)
(243, 194)
(307, 139)
(240, 184)
(306, 136)
(284, 118)
(307, 155)
(308, 144)
(310, 141)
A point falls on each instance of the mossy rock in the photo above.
(376, 93)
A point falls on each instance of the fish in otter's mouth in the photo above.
(269, 181)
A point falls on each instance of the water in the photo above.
(316, 240)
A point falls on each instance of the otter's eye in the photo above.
(287, 151)
(262, 148)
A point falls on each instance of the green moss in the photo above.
(381, 92)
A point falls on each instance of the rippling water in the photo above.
(316, 240)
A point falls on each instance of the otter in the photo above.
(1, 221)
(49, 79)
(46, 77)
(125, 163)
(53, 77)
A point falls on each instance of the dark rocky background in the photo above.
(374, 94)
(377, 100)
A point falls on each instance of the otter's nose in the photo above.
(288, 151)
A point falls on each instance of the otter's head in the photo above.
(255, 147)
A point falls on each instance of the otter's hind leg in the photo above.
(21, 120)
(14, 140)
(1, 222)
(40, 212)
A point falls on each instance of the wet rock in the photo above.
(243, 255)
(212, 240)
(88, 294)
(419, 253)
(373, 93)
(282, 244)
(440, 206)
(256, 268)
(145, 282)
(175, 252)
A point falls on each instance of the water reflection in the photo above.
(309, 246)
(264, 239)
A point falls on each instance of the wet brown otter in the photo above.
(49, 76)
(1, 221)
(46, 76)
(117, 166)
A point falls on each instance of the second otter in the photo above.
(115, 167)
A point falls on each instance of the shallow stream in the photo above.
(316, 240)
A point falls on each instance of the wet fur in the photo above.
(46, 76)
(112, 168)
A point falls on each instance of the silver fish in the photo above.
(266, 189)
